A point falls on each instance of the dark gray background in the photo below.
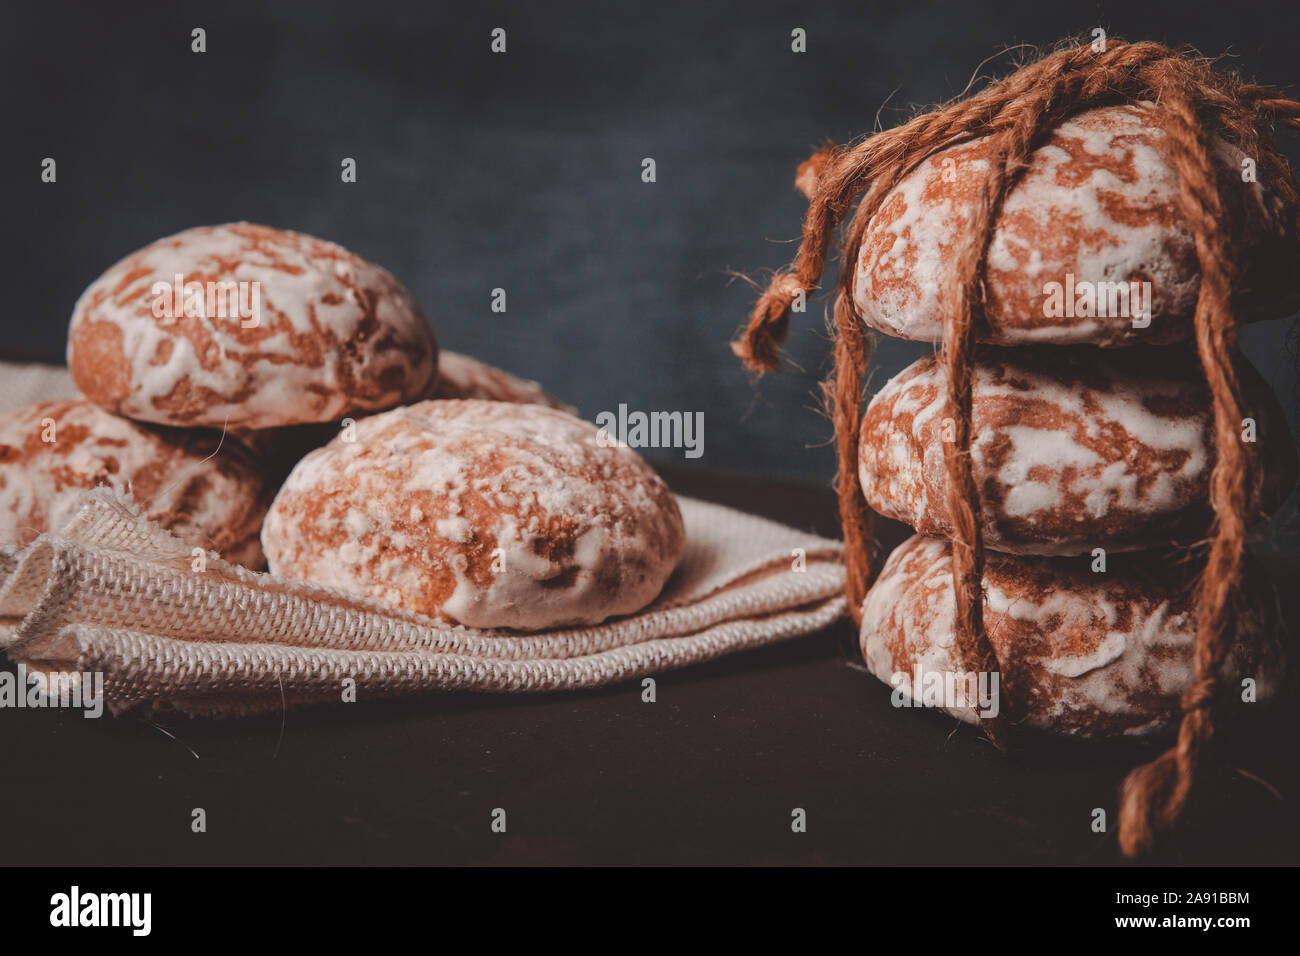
(521, 171)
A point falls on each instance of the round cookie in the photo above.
(204, 490)
(460, 376)
(269, 328)
(1072, 449)
(479, 513)
(1082, 653)
(1097, 204)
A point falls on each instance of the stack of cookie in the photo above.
(219, 331)
(240, 330)
(228, 366)
(1092, 438)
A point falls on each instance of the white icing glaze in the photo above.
(310, 357)
(1088, 654)
(1071, 450)
(534, 522)
(206, 497)
(1109, 218)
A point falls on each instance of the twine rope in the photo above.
(1017, 112)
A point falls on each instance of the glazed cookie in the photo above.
(1095, 212)
(1084, 653)
(479, 513)
(264, 328)
(460, 376)
(1072, 449)
(204, 490)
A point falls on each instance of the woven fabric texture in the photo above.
(112, 592)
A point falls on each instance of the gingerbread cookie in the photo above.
(479, 513)
(248, 327)
(460, 376)
(1092, 654)
(203, 489)
(1089, 237)
(1072, 449)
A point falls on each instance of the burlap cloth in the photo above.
(112, 592)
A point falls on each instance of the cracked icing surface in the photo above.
(1093, 654)
(336, 334)
(460, 376)
(1072, 449)
(414, 511)
(216, 502)
(1098, 201)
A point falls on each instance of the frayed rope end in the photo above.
(1145, 813)
(759, 346)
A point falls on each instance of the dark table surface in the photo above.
(708, 774)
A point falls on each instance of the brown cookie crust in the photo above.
(1081, 653)
(205, 490)
(314, 333)
(1099, 202)
(1072, 449)
(480, 513)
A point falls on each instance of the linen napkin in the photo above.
(112, 593)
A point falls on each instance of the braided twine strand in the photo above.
(1017, 113)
